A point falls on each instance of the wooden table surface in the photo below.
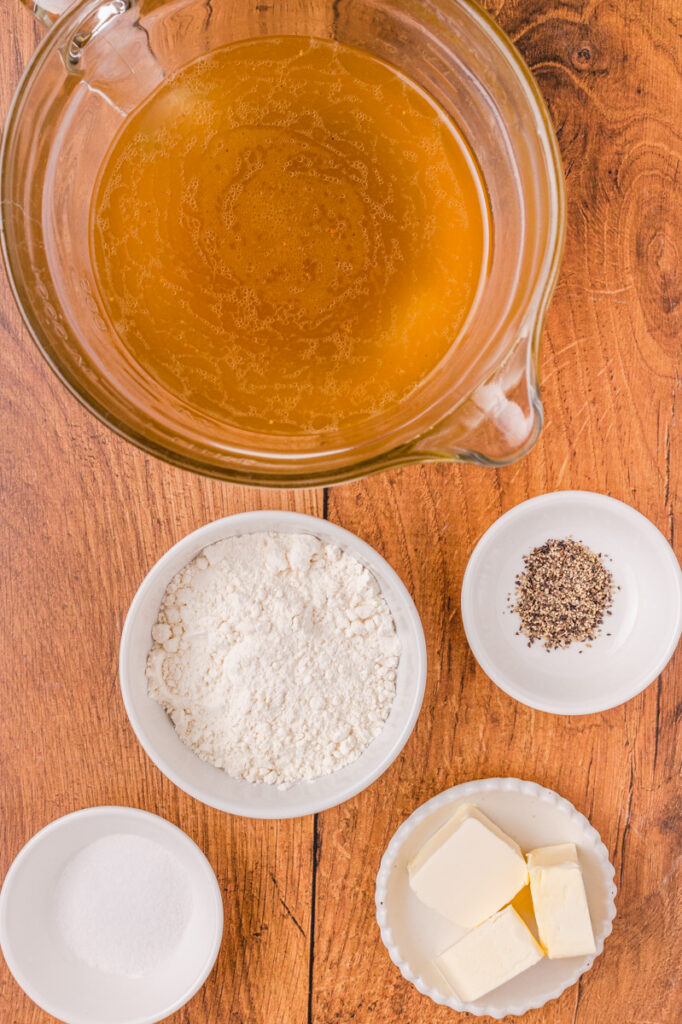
(84, 516)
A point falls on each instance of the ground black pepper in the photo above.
(563, 594)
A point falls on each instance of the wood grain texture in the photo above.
(85, 516)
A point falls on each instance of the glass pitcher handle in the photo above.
(47, 11)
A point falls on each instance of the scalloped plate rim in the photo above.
(441, 799)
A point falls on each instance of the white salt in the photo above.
(122, 904)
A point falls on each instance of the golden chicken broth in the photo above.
(288, 236)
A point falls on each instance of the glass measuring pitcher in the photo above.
(102, 58)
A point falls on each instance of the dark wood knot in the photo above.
(581, 58)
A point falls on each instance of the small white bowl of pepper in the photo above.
(572, 602)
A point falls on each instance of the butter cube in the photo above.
(491, 954)
(469, 869)
(560, 902)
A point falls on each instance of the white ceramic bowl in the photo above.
(414, 935)
(646, 617)
(71, 990)
(214, 786)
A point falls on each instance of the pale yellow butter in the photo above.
(560, 901)
(469, 869)
(491, 954)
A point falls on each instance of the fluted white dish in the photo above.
(214, 786)
(414, 934)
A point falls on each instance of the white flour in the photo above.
(275, 656)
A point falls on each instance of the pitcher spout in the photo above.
(501, 419)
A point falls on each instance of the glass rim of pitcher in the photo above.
(392, 447)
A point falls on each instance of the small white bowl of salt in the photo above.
(110, 915)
